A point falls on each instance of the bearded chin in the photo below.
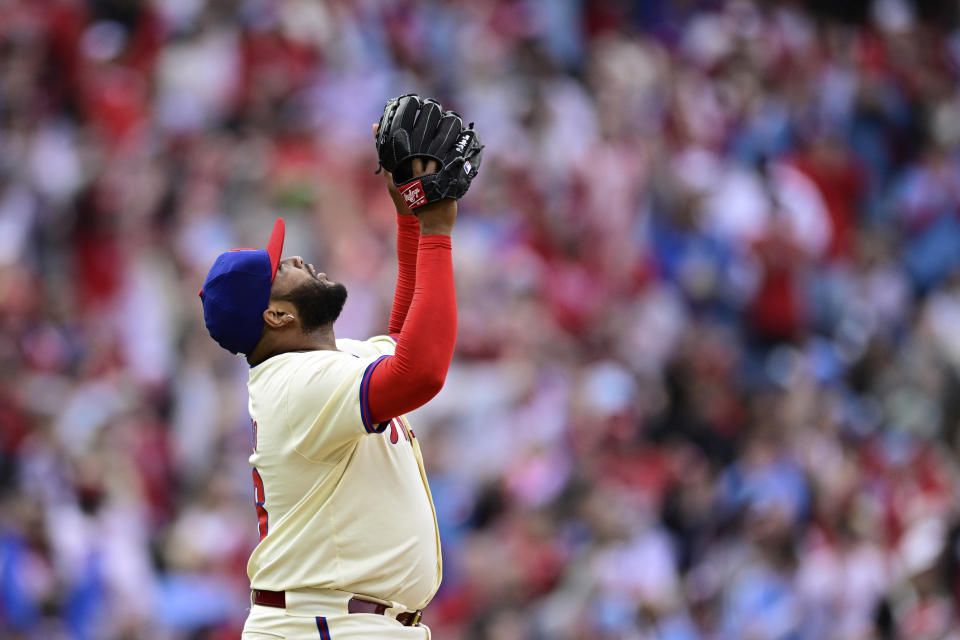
(319, 304)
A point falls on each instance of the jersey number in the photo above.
(259, 497)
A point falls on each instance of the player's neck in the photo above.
(273, 345)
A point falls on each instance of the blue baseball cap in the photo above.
(237, 291)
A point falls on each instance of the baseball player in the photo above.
(348, 546)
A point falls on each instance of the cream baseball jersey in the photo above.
(341, 503)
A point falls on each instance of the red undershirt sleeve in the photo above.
(416, 372)
(408, 238)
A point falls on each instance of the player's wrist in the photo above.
(437, 218)
(403, 211)
(398, 203)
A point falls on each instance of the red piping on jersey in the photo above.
(417, 370)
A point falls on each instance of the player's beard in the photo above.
(318, 303)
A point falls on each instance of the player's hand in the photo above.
(433, 156)
(419, 169)
(440, 215)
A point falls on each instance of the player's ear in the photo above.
(276, 316)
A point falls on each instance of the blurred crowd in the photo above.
(707, 382)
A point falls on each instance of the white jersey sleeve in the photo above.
(326, 404)
(375, 346)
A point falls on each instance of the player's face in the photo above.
(292, 273)
(317, 299)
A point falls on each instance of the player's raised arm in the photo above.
(408, 239)
(432, 159)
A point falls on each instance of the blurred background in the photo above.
(706, 385)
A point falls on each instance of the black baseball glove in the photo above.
(412, 127)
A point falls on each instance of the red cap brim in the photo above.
(275, 247)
